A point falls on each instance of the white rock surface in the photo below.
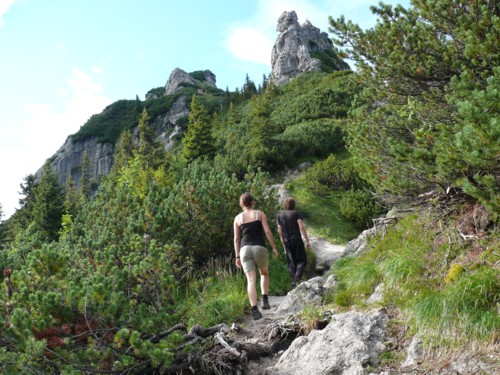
(350, 342)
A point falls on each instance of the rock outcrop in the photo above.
(179, 78)
(309, 292)
(348, 344)
(291, 54)
(68, 159)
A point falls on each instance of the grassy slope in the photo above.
(322, 215)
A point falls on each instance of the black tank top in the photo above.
(252, 234)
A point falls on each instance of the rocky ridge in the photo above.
(69, 158)
(290, 57)
(291, 53)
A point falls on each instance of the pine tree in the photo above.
(72, 200)
(198, 140)
(249, 88)
(84, 183)
(151, 151)
(124, 151)
(24, 215)
(427, 117)
(48, 205)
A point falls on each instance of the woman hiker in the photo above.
(291, 230)
(249, 246)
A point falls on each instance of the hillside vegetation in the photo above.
(108, 283)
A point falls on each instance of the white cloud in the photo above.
(4, 7)
(249, 44)
(44, 130)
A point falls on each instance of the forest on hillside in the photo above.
(101, 282)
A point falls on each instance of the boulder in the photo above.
(378, 295)
(358, 245)
(309, 292)
(349, 343)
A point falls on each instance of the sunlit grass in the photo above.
(322, 215)
(446, 310)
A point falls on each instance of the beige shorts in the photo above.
(252, 256)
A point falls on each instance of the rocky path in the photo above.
(251, 331)
(326, 252)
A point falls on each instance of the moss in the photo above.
(453, 273)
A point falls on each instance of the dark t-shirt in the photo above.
(288, 222)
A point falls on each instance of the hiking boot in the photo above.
(256, 314)
(294, 284)
(265, 303)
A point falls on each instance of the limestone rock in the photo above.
(291, 53)
(378, 294)
(179, 77)
(309, 292)
(357, 245)
(69, 158)
(350, 342)
(166, 125)
(470, 364)
(330, 282)
(413, 353)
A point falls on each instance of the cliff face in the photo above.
(68, 159)
(291, 54)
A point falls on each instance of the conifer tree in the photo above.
(249, 88)
(24, 215)
(198, 140)
(48, 205)
(71, 201)
(84, 182)
(426, 118)
(124, 151)
(151, 151)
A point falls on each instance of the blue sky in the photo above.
(62, 61)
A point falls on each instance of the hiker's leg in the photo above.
(252, 292)
(299, 271)
(264, 280)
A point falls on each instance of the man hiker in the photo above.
(291, 230)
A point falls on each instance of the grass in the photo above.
(415, 270)
(218, 293)
(322, 215)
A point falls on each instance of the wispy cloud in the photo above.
(45, 128)
(4, 7)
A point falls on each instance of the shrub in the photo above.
(155, 93)
(360, 206)
(313, 138)
(332, 174)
